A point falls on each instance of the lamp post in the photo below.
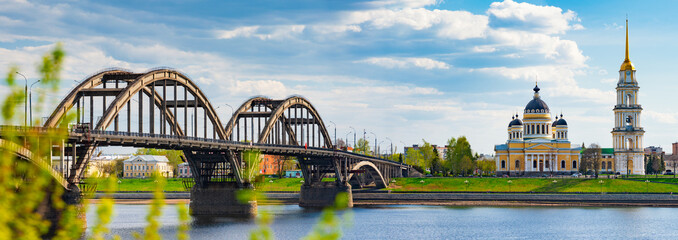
(229, 106)
(349, 132)
(335, 133)
(391, 147)
(354, 134)
(30, 101)
(25, 99)
(375, 142)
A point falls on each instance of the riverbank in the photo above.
(449, 199)
(547, 185)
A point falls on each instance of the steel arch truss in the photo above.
(25, 154)
(122, 87)
(292, 121)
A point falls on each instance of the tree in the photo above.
(428, 154)
(363, 147)
(456, 150)
(436, 165)
(590, 159)
(341, 143)
(284, 163)
(413, 157)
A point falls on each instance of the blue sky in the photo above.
(403, 69)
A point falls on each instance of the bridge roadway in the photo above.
(146, 140)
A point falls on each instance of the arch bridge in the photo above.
(165, 109)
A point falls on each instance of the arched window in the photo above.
(602, 166)
(534, 164)
(547, 164)
(574, 164)
(629, 99)
(562, 164)
(517, 164)
(503, 164)
(609, 164)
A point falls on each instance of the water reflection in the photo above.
(426, 222)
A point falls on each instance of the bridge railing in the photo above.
(245, 144)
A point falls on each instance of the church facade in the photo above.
(627, 134)
(537, 144)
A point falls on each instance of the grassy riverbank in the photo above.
(454, 185)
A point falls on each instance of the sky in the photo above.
(406, 70)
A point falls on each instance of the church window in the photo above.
(574, 164)
(517, 166)
(547, 164)
(609, 164)
(534, 164)
(503, 164)
(602, 165)
(562, 164)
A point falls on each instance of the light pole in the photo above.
(354, 134)
(229, 106)
(391, 147)
(375, 142)
(30, 100)
(25, 99)
(349, 132)
(335, 133)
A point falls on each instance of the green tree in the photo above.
(363, 147)
(590, 158)
(413, 157)
(427, 155)
(457, 149)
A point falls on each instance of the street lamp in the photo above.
(391, 147)
(25, 99)
(354, 135)
(30, 100)
(349, 132)
(375, 141)
(335, 133)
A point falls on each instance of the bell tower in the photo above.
(627, 134)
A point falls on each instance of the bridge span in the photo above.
(161, 109)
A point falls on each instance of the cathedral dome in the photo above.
(536, 105)
(515, 122)
(560, 122)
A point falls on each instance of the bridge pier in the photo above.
(220, 201)
(324, 194)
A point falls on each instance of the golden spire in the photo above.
(627, 65)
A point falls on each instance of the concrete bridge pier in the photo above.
(324, 194)
(220, 201)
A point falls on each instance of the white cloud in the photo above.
(425, 63)
(662, 117)
(553, 48)
(274, 32)
(274, 89)
(546, 19)
(403, 3)
(247, 31)
(446, 24)
(483, 49)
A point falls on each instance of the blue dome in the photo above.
(536, 105)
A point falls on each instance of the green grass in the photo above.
(146, 184)
(455, 185)
(527, 185)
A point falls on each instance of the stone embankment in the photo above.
(451, 199)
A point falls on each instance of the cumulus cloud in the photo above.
(425, 63)
(662, 117)
(263, 32)
(447, 24)
(546, 19)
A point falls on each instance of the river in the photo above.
(426, 222)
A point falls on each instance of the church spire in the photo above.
(627, 41)
(627, 65)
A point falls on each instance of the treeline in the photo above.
(458, 159)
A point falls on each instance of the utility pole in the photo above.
(25, 99)
(30, 101)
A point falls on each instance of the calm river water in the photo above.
(429, 222)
